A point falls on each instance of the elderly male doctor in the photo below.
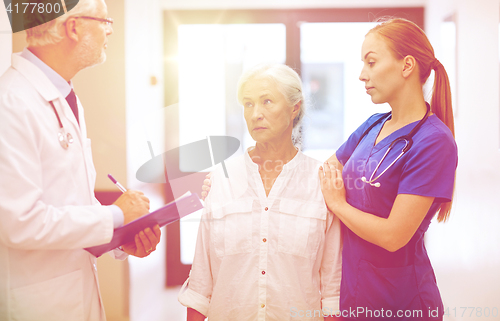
(48, 212)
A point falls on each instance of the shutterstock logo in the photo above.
(26, 14)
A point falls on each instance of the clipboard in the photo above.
(165, 215)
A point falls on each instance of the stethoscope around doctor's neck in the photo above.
(408, 139)
(65, 139)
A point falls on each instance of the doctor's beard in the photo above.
(90, 53)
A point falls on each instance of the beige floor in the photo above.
(149, 299)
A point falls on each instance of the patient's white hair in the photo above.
(286, 79)
(52, 32)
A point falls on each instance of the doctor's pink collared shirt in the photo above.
(259, 257)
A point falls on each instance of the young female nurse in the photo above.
(392, 175)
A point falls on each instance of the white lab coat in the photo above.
(48, 211)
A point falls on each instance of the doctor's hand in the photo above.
(206, 186)
(133, 204)
(332, 186)
(144, 242)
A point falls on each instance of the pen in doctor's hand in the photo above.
(120, 186)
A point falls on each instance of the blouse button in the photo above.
(264, 240)
(266, 209)
(263, 272)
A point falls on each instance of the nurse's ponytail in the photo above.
(441, 106)
(405, 38)
(441, 96)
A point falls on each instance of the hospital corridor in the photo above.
(176, 74)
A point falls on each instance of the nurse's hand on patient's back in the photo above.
(206, 186)
(133, 204)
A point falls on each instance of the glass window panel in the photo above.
(330, 55)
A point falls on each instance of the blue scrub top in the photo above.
(372, 277)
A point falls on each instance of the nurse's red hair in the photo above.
(405, 38)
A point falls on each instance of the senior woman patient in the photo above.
(267, 247)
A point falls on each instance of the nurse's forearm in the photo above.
(369, 227)
(390, 233)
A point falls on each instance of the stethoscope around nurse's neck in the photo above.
(65, 139)
(408, 139)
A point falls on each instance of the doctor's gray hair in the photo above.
(52, 32)
(288, 83)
